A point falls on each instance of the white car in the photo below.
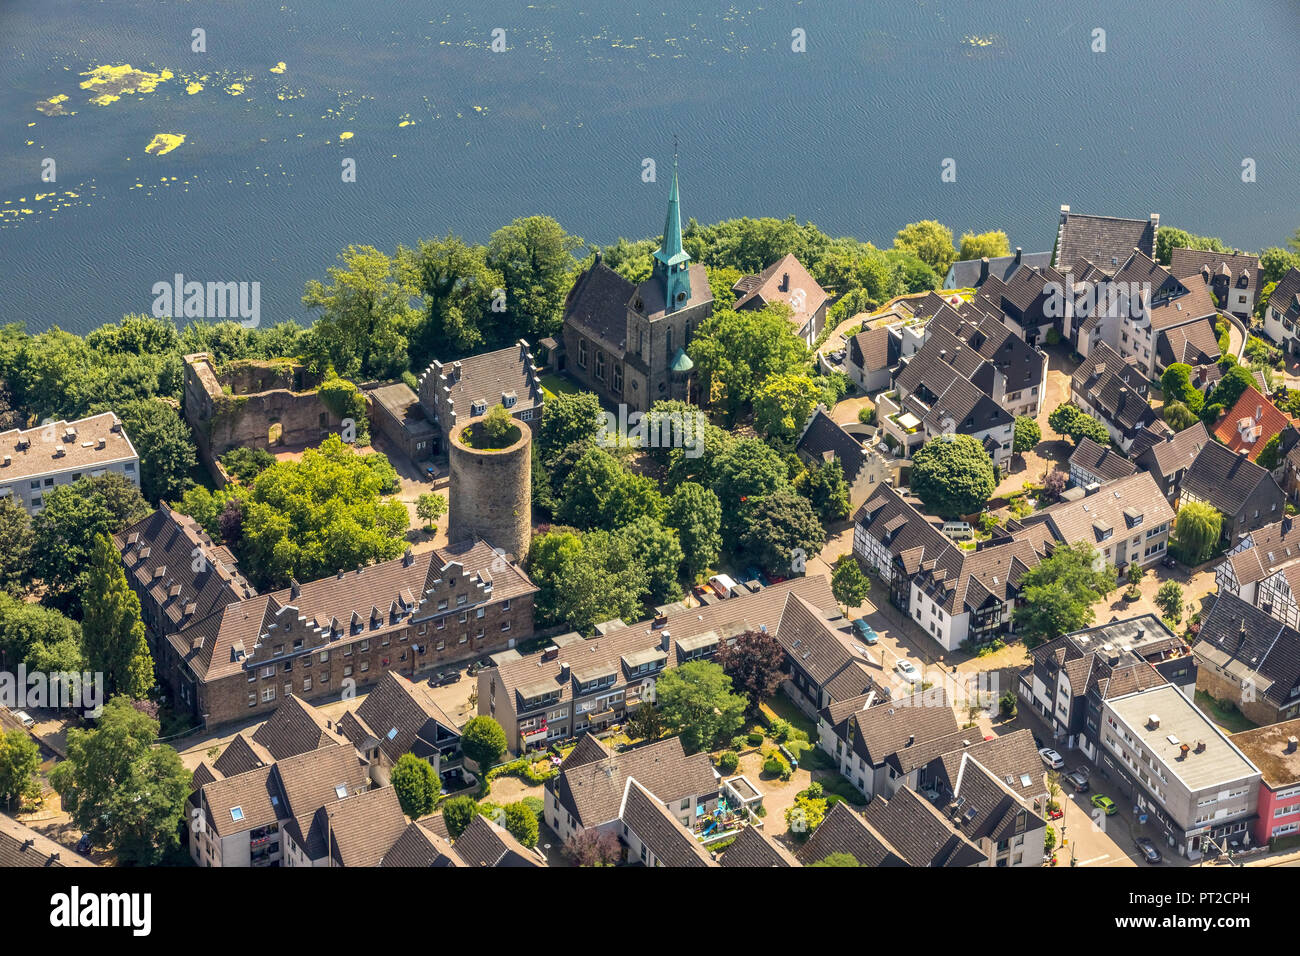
(25, 719)
(908, 671)
(1052, 758)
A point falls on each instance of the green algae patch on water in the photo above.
(54, 107)
(164, 143)
(279, 67)
(110, 83)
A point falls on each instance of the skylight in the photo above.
(1025, 780)
(341, 791)
(392, 733)
(236, 813)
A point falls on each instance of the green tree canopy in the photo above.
(16, 555)
(122, 788)
(825, 487)
(483, 741)
(20, 761)
(164, 444)
(1069, 420)
(931, 241)
(953, 475)
(567, 419)
(659, 551)
(696, 514)
(534, 256)
(783, 405)
(417, 785)
(1027, 435)
(781, 532)
(736, 352)
(849, 585)
(112, 632)
(1060, 591)
(1197, 529)
(521, 821)
(697, 702)
(989, 245)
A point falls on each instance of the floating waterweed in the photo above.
(164, 143)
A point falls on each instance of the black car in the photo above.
(479, 665)
(1148, 849)
(444, 678)
(84, 844)
(1038, 742)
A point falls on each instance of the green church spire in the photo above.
(672, 263)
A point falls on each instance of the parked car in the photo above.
(443, 678)
(1102, 802)
(1077, 779)
(865, 631)
(1148, 850)
(25, 719)
(480, 664)
(84, 844)
(1052, 758)
(1038, 741)
(907, 670)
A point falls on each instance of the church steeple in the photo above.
(672, 263)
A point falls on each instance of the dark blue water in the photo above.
(850, 134)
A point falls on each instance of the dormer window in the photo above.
(508, 399)
(477, 407)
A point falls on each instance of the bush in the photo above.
(728, 761)
(775, 765)
(780, 730)
(755, 738)
(1007, 704)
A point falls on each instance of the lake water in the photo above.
(448, 135)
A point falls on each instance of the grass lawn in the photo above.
(783, 707)
(553, 385)
(1230, 720)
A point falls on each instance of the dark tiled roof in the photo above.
(843, 831)
(1105, 241)
(484, 843)
(823, 439)
(1102, 461)
(1167, 458)
(364, 827)
(1244, 640)
(966, 273)
(21, 846)
(767, 287)
(921, 833)
(880, 733)
(813, 644)
(660, 832)
(597, 303)
(405, 718)
(1285, 297)
(593, 791)
(485, 378)
(1223, 478)
(1198, 303)
(873, 350)
(295, 728)
(1186, 263)
(1121, 507)
(1270, 548)
(1193, 344)
(418, 847)
(754, 848)
(1115, 388)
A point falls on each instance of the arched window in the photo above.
(669, 339)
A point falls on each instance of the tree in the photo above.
(497, 424)
(1225, 394)
(121, 787)
(849, 585)
(245, 464)
(15, 556)
(695, 513)
(781, 531)
(1027, 435)
(748, 468)
(1176, 384)
(522, 823)
(483, 741)
(534, 257)
(458, 288)
(604, 582)
(931, 241)
(1178, 416)
(989, 245)
(1060, 591)
(953, 475)
(1275, 262)
(457, 814)
(646, 722)
(838, 859)
(24, 627)
(570, 418)
(755, 662)
(805, 815)
(1054, 484)
(429, 507)
(112, 633)
(66, 528)
(1170, 600)
(417, 785)
(1169, 238)
(697, 702)
(20, 761)
(366, 313)
(825, 487)
(1069, 420)
(164, 444)
(1270, 456)
(783, 403)
(735, 352)
(658, 550)
(592, 847)
(1197, 529)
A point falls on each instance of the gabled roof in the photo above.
(1245, 641)
(597, 304)
(782, 281)
(1176, 453)
(844, 831)
(405, 718)
(418, 847)
(1115, 387)
(873, 349)
(1224, 478)
(364, 827)
(1285, 297)
(885, 731)
(487, 378)
(21, 846)
(1250, 423)
(967, 273)
(1011, 758)
(1186, 263)
(1116, 510)
(484, 843)
(296, 727)
(754, 848)
(593, 792)
(920, 832)
(814, 646)
(1193, 344)
(1264, 550)
(1197, 304)
(823, 439)
(1105, 241)
(1102, 461)
(658, 830)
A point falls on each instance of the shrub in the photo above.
(775, 765)
(728, 761)
(780, 730)
(754, 739)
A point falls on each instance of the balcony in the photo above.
(534, 734)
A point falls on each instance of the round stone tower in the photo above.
(491, 493)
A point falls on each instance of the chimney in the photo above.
(598, 257)
(911, 739)
(1153, 722)
(1291, 744)
(294, 588)
(665, 641)
(1259, 412)
(408, 558)
(1183, 751)
(455, 371)
(785, 282)
(564, 670)
(984, 269)
(1200, 746)
(1017, 255)
(1241, 635)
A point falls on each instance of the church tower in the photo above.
(672, 265)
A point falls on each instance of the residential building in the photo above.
(1282, 314)
(1011, 371)
(786, 281)
(820, 664)
(953, 594)
(871, 357)
(1263, 569)
(396, 413)
(574, 686)
(1072, 676)
(35, 461)
(973, 273)
(844, 831)
(1126, 521)
(399, 717)
(1251, 423)
(1244, 493)
(865, 465)
(1249, 659)
(1031, 303)
(1233, 277)
(457, 391)
(1167, 458)
(920, 833)
(483, 842)
(984, 802)
(753, 848)
(627, 343)
(1104, 241)
(1112, 389)
(21, 846)
(589, 791)
(653, 833)
(1275, 751)
(1164, 758)
(1091, 464)
(311, 640)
